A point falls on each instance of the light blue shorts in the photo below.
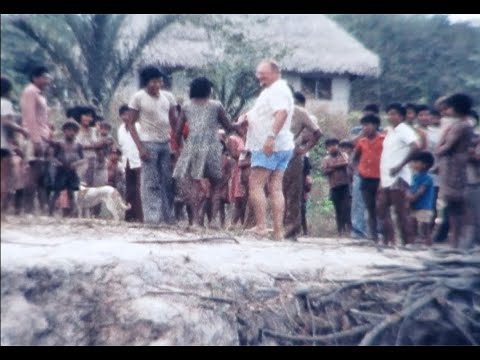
(277, 161)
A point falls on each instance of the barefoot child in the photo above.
(68, 153)
(422, 195)
(334, 166)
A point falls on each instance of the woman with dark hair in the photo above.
(201, 157)
(452, 152)
(155, 112)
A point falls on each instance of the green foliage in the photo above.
(422, 57)
(233, 77)
(84, 48)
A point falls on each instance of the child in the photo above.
(307, 188)
(334, 165)
(422, 195)
(101, 172)
(245, 162)
(411, 118)
(223, 189)
(238, 189)
(116, 174)
(368, 153)
(68, 153)
(347, 147)
(219, 190)
(132, 165)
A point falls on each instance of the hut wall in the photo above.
(340, 94)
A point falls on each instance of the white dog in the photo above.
(88, 197)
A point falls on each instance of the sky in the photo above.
(463, 17)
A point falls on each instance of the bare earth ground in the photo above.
(78, 281)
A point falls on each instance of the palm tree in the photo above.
(89, 48)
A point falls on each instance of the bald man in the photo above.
(271, 143)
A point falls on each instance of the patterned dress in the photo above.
(201, 156)
(453, 160)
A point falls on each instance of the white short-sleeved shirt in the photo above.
(276, 97)
(396, 147)
(153, 115)
(128, 147)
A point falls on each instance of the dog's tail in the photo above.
(121, 203)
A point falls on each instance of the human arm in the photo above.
(8, 123)
(408, 136)
(452, 137)
(278, 123)
(413, 150)
(311, 128)
(414, 196)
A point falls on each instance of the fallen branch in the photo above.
(180, 241)
(372, 335)
(185, 293)
(461, 327)
(369, 316)
(314, 330)
(358, 330)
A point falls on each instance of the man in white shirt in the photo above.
(400, 144)
(132, 164)
(271, 143)
(155, 113)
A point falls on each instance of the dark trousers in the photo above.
(132, 194)
(293, 183)
(341, 199)
(442, 232)
(369, 188)
(396, 197)
(304, 217)
(38, 171)
(435, 211)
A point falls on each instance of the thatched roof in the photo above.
(314, 43)
(317, 44)
(183, 46)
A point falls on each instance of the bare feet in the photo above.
(278, 236)
(258, 232)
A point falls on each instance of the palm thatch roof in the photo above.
(183, 46)
(316, 43)
(313, 44)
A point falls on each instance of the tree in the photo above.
(422, 57)
(88, 48)
(233, 75)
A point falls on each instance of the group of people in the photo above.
(429, 157)
(170, 156)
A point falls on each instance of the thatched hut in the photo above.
(321, 57)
